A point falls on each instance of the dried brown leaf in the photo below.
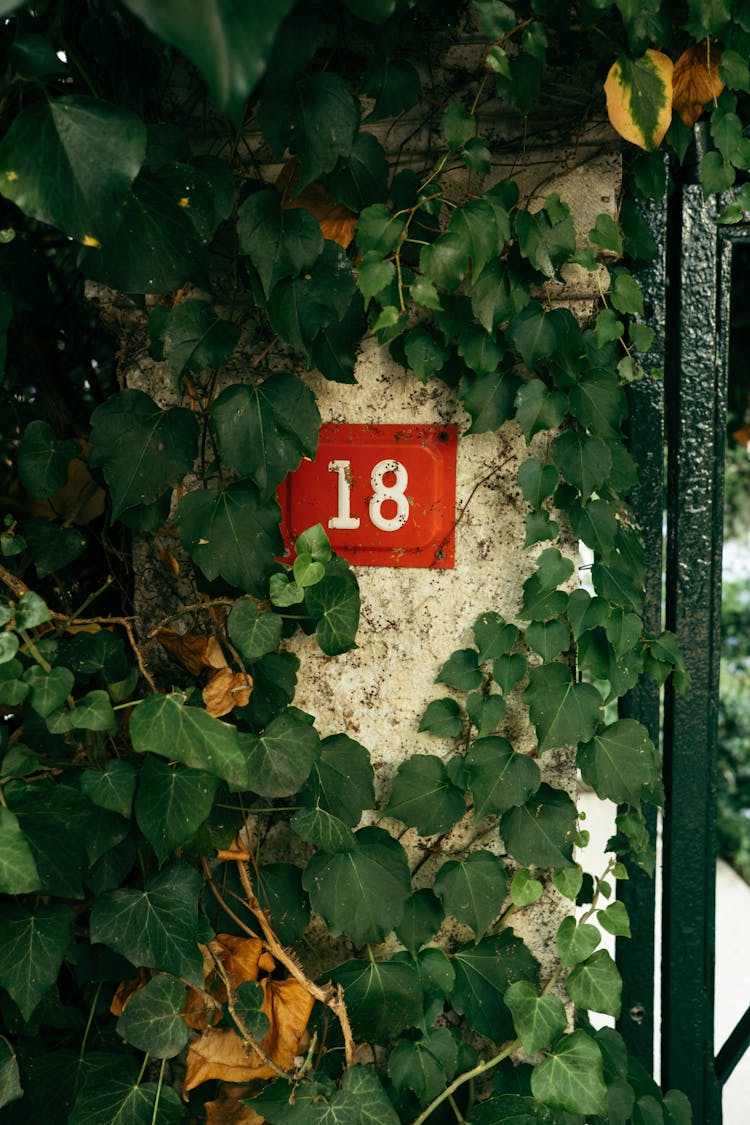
(337, 222)
(696, 81)
(225, 690)
(193, 651)
(219, 1053)
(243, 958)
(127, 989)
(229, 1110)
(79, 501)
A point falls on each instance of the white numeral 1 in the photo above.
(394, 492)
(343, 520)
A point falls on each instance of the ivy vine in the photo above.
(156, 959)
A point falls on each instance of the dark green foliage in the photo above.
(125, 785)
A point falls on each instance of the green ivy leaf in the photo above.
(112, 1091)
(442, 718)
(374, 274)
(597, 401)
(249, 999)
(163, 725)
(548, 639)
(595, 984)
(537, 481)
(264, 431)
(524, 888)
(334, 604)
(231, 533)
(32, 947)
(457, 125)
(300, 307)
(479, 350)
(362, 178)
(568, 881)
(484, 972)
(498, 777)
(538, 408)
(49, 690)
(18, 873)
(461, 670)
(545, 243)
(318, 827)
(542, 831)
(606, 233)
(423, 796)
(362, 892)
(253, 631)
(539, 1020)
(326, 123)
(341, 781)
(446, 260)
(488, 398)
(92, 711)
(46, 167)
(576, 942)
(473, 890)
(484, 227)
(280, 242)
(229, 45)
(156, 927)
(278, 761)
(486, 712)
(379, 230)
(619, 761)
(43, 461)
(595, 523)
(493, 636)
(507, 671)
(172, 803)
(562, 711)
(425, 353)
(585, 612)
(414, 1066)
(152, 1020)
(155, 247)
(583, 460)
(10, 1076)
(614, 919)
(112, 787)
(423, 916)
(196, 338)
(141, 449)
(52, 546)
(570, 1078)
(361, 1098)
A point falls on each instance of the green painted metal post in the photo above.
(636, 957)
(696, 412)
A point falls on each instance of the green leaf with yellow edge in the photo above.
(571, 1077)
(639, 98)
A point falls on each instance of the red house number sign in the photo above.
(386, 495)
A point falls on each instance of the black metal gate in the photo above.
(678, 434)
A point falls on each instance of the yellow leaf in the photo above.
(228, 1110)
(696, 81)
(639, 98)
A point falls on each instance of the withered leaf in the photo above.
(192, 650)
(220, 1052)
(225, 690)
(695, 80)
(337, 222)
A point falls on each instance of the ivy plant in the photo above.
(157, 958)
